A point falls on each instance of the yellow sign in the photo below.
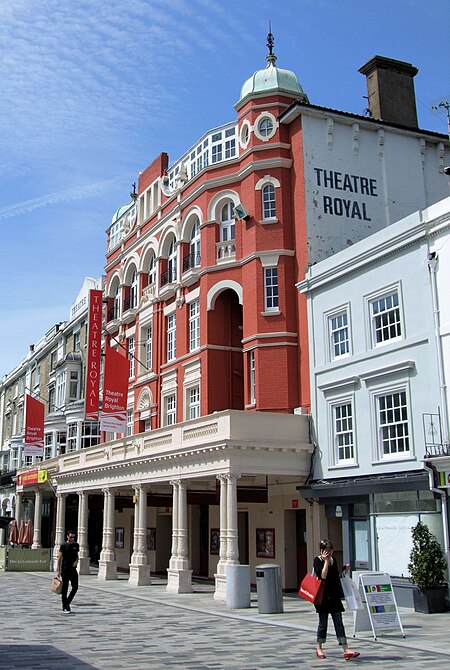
(42, 476)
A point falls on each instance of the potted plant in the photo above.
(427, 568)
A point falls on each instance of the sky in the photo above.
(93, 91)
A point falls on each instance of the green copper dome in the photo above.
(272, 79)
(119, 212)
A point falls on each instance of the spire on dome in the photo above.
(270, 58)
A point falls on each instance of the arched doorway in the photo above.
(225, 357)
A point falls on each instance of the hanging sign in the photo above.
(115, 392)
(93, 355)
(34, 426)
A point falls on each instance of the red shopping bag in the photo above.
(311, 588)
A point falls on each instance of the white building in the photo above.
(379, 360)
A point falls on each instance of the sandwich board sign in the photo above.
(378, 595)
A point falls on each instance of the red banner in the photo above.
(93, 355)
(115, 392)
(34, 427)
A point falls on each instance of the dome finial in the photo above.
(270, 58)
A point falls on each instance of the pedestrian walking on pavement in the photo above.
(325, 568)
(67, 569)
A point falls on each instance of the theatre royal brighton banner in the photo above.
(115, 390)
(34, 426)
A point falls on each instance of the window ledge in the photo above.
(343, 465)
(251, 406)
(264, 222)
(394, 459)
(271, 313)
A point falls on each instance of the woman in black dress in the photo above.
(325, 568)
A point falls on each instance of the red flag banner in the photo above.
(34, 426)
(93, 355)
(115, 391)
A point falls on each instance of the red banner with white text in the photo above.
(115, 391)
(93, 355)
(34, 427)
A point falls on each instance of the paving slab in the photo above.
(115, 626)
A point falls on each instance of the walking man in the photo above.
(67, 569)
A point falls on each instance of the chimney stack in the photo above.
(390, 89)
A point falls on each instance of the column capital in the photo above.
(222, 477)
(60, 495)
(175, 482)
(140, 487)
(232, 476)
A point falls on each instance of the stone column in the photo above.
(82, 534)
(60, 523)
(18, 508)
(220, 576)
(107, 566)
(179, 576)
(37, 520)
(139, 568)
(232, 520)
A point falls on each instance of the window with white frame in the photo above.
(271, 289)
(131, 358)
(265, 126)
(90, 434)
(170, 414)
(171, 337)
(152, 270)
(72, 430)
(172, 262)
(194, 402)
(48, 445)
(385, 318)
(28, 460)
(14, 458)
(133, 290)
(115, 234)
(60, 389)
(268, 201)
(339, 334)
(194, 325)
(76, 341)
(194, 244)
(51, 399)
(74, 385)
(343, 432)
(61, 442)
(130, 421)
(252, 376)
(392, 424)
(148, 344)
(117, 299)
(227, 222)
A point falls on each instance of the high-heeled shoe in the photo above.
(351, 654)
(320, 654)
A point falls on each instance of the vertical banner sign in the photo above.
(93, 355)
(115, 391)
(34, 427)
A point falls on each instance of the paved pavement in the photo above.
(115, 626)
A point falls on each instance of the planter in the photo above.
(431, 602)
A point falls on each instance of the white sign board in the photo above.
(381, 604)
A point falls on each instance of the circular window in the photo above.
(265, 127)
(245, 134)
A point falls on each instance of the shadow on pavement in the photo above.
(23, 656)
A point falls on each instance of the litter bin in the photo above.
(268, 587)
(238, 586)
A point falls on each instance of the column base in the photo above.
(179, 581)
(84, 566)
(139, 575)
(107, 570)
(220, 592)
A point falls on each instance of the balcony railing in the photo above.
(130, 302)
(226, 250)
(190, 261)
(168, 277)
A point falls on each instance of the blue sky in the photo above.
(92, 91)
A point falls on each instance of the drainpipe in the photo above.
(443, 495)
(432, 265)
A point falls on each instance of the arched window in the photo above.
(268, 202)
(133, 290)
(172, 262)
(117, 297)
(194, 244)
(152, 270)
(227, 223)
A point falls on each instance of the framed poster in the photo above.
(119, 538)
(265, 542)
(151, 539)
(214, 543)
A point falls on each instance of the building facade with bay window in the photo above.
(200, 295)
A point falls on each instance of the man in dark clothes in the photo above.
(67, 569)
